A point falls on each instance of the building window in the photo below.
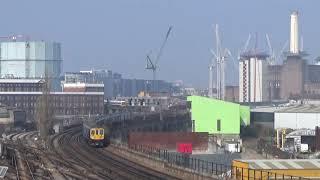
(218, 125)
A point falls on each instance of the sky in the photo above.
(117, 34)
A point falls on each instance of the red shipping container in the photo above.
(185, 148)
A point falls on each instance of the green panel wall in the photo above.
(206, 111)
(245, 115)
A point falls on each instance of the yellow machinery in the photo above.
(281, 137)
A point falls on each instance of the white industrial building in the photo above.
(288, 116)
(253, 77)
(297, 117)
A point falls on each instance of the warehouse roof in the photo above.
(267, 109)
(302, 108)
(283, 164)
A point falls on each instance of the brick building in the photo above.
(24, 94)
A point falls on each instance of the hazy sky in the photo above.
(118, 34)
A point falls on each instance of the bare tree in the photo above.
(44, 110)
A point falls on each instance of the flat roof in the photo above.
(301, 108)
(83, 85)
(270, 109)
(283, 163)
(21, 80)
(54, 93)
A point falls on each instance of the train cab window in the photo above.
(92, 132)
(101, 131)
(97, 132)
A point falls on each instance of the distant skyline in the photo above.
(117, 34)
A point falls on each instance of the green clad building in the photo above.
(216, 116)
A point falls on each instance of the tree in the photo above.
(44, 110)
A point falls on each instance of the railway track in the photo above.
(72, 158)
(106, 164)
(27, 164)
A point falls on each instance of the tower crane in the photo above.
(219, 62)
(153, 64)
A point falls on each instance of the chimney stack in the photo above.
(294, 33)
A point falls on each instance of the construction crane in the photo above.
(219, 61)
(272, 58)
(275, 58)
(153, 64)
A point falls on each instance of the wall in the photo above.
(207, 111)
(274, 81)
(232, 93)
(245, 115)
(169, 140)
(265, 119)
(296, 120)
(292, 77)
(317, 141)
(62, 103)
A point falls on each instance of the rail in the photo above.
(14, 162)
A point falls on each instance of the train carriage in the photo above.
(95, 134)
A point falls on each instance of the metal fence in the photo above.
(222, 171)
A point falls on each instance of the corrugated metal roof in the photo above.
(301, 108)
(283, 163)
(269, 109)
(304, 108)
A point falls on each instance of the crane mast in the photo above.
(220, 58)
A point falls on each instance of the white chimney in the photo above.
(294, 33)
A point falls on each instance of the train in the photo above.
(96, 134)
